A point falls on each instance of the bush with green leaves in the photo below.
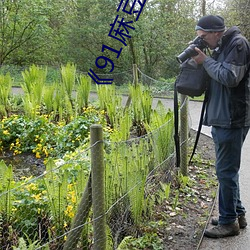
(43, 137)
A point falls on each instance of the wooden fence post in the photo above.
(135, 74)
(135, 82)
(98, 195)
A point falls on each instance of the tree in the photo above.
(237, 13)
(21, 21)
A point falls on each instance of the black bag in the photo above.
(192, 80)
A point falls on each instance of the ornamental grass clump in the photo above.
(141, 106)
(126, 168)
(111, 103)
(160, 131)
(34, 80)
(83, 92)
(5, 91)
(68, 75)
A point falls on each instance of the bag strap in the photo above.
(176, 126)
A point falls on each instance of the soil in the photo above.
(186, 223)
(25, 164)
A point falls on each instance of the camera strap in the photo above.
(199, 127)
(176, 126)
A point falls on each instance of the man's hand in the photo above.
(200, 58)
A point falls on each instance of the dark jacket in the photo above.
(228, 103)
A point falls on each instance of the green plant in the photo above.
(68, 74)
(147, 241)
(141, 103)
(111, 103)
(161, 128)
(123, 124)
(83, 91)
(48, 98)
(184, 181)
(45, 138)
(56, 187)
(176, 199)
(5, 90)
(34, 81)
(126, 172)
(6, 196)
(164, 191)
(30, 208)
(28, 244)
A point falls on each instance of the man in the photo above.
(228, 112)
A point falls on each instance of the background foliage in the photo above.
(49, 32)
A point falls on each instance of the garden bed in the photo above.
(178, 222)
(185, 226)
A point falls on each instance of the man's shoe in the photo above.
(221, 231)
(241, 219)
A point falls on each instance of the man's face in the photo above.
(211, 38)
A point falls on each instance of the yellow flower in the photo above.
(6, 132)
(38, 156)
(37, 196)
(31, 187)
(73, 199)
(45, 151)
(69, 211)
(14, 209)
(103, 112)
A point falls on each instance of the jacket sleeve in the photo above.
(234, 66)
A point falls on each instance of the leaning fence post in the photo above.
(80, 218)
(98, 195)
(184, 135)
(135, 74)
(135, 81)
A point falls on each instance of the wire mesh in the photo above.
(43, 211)
(158, 87)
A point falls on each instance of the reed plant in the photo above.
(126, 172)
(122, 127)
(34, 80)
(5, 90)
(62, 106)
(83, 91)
(68, 74)
(6, 184)
(110, 102)
(161, 132)
(141, 104)
(56, 187)
(48, 98)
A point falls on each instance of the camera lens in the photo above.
(187, 53)
(190, 50)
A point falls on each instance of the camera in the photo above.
(190, 51)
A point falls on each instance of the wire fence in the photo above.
(42, 210)
(57, 209)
